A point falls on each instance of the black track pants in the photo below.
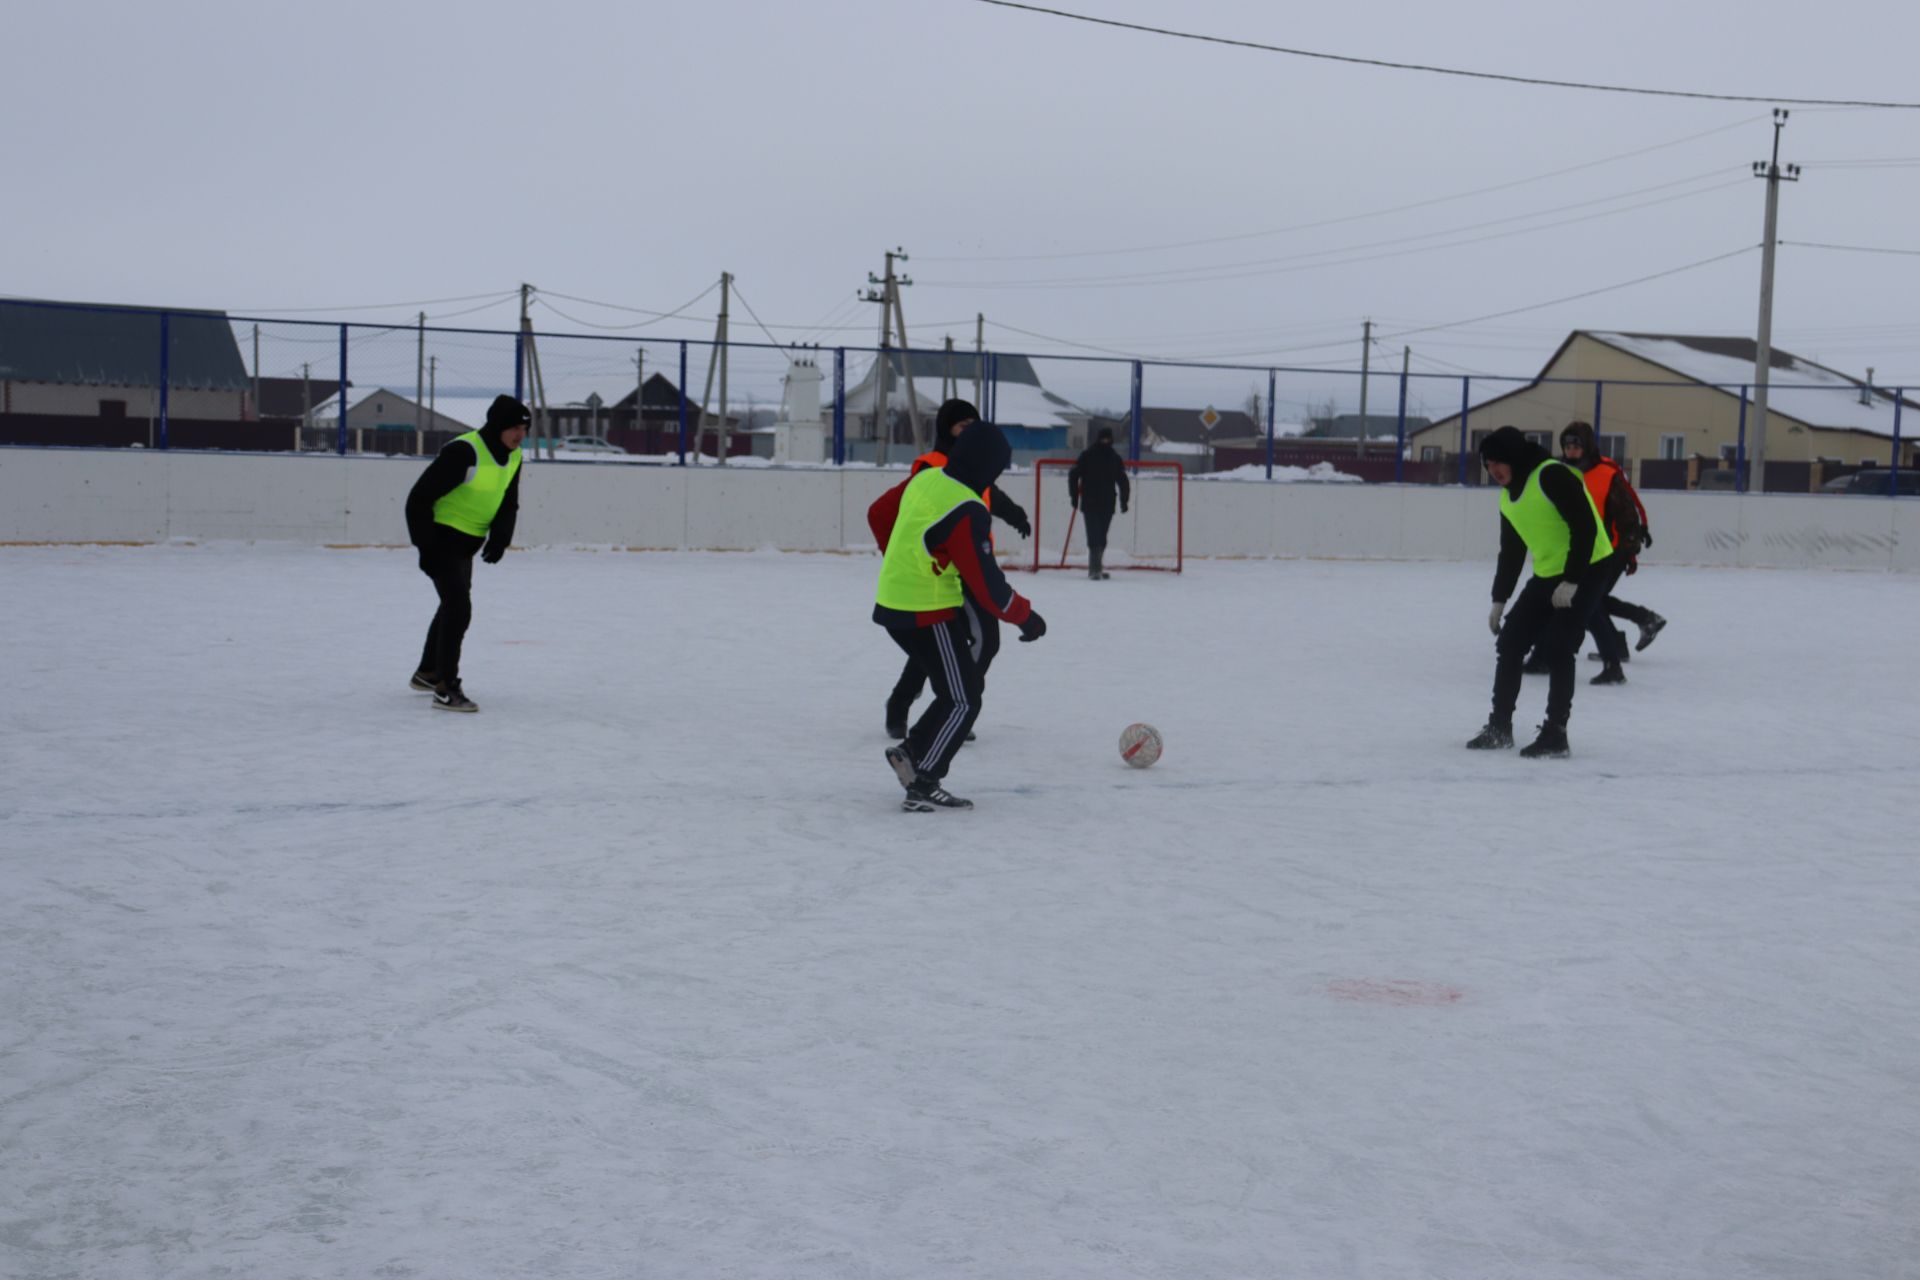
(1532, 620)
(452, 574)
(945, 656)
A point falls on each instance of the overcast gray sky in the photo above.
(263, 158)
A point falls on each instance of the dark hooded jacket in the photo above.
(1561, 485)
(448, 472)
(961, 538)
(1098, 475)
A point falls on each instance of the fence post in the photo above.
(682, 447)
(839, 406)
(1400, 433)
(1465, 383)
(166, 373)
(1893, 464)
(342, 446)
(1740, 446)
(1272, 390)
(1133, 413)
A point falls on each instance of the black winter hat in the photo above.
(952, 414)
(506, 413)
(1509, 446)
(1104, 436)
(979, 456)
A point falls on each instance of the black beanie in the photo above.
(506, 413)
(1509, 446)
(979, 456)
(1104, 436)
(952, 414)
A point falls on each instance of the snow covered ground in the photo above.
(640, 971)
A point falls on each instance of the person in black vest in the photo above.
(465, 503)
(1097, 478)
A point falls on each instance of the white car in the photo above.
(589, 444)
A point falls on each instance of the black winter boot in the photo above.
(1550, 745)
(1648, 630)
(1495, 737)
(1610, 674)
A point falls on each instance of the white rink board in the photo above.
(82, 496)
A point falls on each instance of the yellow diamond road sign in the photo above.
(1208, 418)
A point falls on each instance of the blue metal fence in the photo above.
(988, 365)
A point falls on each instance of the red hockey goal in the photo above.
(1150, 535)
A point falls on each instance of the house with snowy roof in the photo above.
(1680, 398)
(1011, 396)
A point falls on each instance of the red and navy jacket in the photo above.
(961, 538)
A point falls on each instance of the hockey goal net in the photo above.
(1150, 534)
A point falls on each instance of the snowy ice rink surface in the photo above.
(640, 972)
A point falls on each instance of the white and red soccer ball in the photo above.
(1140, 745)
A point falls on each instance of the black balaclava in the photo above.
(978, 457)
(1523, 455)
(952, 414)
(1589, 444)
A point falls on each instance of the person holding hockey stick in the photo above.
(955, 416)
(1097, 477)
(1546, 512)
(938, 549)
(463, 504)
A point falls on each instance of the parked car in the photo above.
(1873, 482)
(588, 444)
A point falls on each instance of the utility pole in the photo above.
(256, 373)
(718, 358)
(1772, 171)
(639, 393)
(979, 353)
(306, 404)
(433, 378)
(536, 388)
(419, 390)
(891, 318)
(1366, 353)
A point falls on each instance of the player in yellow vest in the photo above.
(954, 417)
(1547, 513)
(464, 504)
(938, 554)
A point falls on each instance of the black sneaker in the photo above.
(1492, 738)
(1648, 630)
(926, 795)
(424, 680)
(1550, 745)
(1610, 674)
(450, 697)
(970, 735)
(902, 767)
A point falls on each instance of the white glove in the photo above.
(1493, 619)
(1563, 595)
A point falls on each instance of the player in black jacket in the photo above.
(1098, 476)
(1559, 528)
(447, 495)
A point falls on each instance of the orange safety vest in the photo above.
(1600, 478)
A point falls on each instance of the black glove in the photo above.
(1123, 508)
(494, 552)
(426, 561)
(1646, 539)
(1020, 526)
(1074, 502)
(1633, 566)
(1033, 628)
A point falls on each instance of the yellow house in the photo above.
(1669, 399)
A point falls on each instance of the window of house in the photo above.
(1729, 453)
(1430, 453)
(1614, 447)
(1673, 447)
(1542, 438)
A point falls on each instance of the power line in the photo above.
(1360, 217)
(495, 298)
(1574, 297)
(1849, 248)
(1453, 71)
(1265, 267)
(756, 319)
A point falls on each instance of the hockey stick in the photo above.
(1069, 542)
